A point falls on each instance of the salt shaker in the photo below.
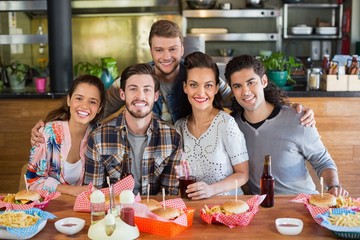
(97, 205)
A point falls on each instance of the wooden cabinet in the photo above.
(18, 116)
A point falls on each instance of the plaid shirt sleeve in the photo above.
(168, 178)
(94, 169)
(168, 142)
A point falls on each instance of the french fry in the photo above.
(343, 220)
(17, 219)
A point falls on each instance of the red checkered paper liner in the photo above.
(242, 219)
(47, 196)
(82, 202)
(314, 210)
(152, 223)
(141, 210)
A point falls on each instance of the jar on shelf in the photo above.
(313, 78)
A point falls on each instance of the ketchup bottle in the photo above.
(267, 183)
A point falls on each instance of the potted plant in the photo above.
(17, 74)
(278, 68)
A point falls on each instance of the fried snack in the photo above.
(17, 219)
(213, 209)
(228, 208)
(345, 220)
(9, 198)
(343, 202)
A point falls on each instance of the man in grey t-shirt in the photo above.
(271, 128)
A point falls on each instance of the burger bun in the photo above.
(235, 207)
(325, 201)
(167, 213)
(151, 204)
(26, 196)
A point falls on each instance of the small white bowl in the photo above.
(70, 225)
(289, 226)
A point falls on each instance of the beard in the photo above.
(138, 114)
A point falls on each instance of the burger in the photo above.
(27, 196)
(235, 207)
(167, 213)
(325, 201)
(151, 204)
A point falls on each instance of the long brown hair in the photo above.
(202, 60)
(63, 112)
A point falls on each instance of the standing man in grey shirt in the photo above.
(271, 128)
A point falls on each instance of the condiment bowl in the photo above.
(70, 225)
(289, 226)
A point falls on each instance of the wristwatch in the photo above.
(330, 187)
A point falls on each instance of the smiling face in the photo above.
(248, 89)
(201, 88)
(84, 103)
(139, 95)
(166, 54)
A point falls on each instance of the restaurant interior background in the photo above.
(125, 38)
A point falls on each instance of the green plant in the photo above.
(18, 69)
(278, 62)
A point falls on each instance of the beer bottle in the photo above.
(267, 183)
(126, 167)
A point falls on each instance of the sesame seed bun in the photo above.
(235, 207)
(168, 213)
(151, 204)
(327, 200)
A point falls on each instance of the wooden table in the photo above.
(261, 227)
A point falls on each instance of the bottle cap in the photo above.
(97, 196)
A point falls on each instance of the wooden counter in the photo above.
(262, 225)
(337, 121)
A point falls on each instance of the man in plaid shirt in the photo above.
(154, 146)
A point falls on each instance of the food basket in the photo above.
(314, 210)
(167, 229)
(340, 231)
(26, 232)
(150, 223)
(47, 196)
(234, 220)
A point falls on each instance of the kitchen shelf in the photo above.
(23, 39)
(237, 13)
(218, 14)
(23, 6)
(336, 12)
(15, 6)
(238, 36)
